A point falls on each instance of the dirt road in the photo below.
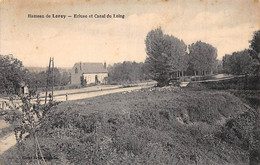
(82, 90)
(97, 93)
(7, 142)
(93, 89)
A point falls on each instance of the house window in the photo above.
(76, 70)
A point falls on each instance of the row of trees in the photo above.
(246, 61)
(202, 58)
(127, 72)
(168, 57)
(39, 79)
(241, 62)
(13, 74)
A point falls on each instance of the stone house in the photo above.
(89, 73)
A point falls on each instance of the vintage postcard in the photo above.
(130, 82)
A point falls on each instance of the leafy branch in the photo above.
(26, 116)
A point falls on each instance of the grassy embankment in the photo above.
(150, 126)
(247, 89)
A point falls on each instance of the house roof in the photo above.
(90, 67)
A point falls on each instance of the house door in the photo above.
(96, 79)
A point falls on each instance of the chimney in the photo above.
(105, 65)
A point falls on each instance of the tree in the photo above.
(38, 80)
(219, 66)
(202, 57)
(255, 54)
(57, 77)
(256, 58)
(178, 55)
(226, 63)
(26, 118)
(126, 72)
(240, 63)
(65, 78)
(12, 73)
(255, 42)
(165, 55)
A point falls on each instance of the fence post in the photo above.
(2, 106)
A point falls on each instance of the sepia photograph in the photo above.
(122, 82)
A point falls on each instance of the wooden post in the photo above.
(66, 96)
(47, 84)
(52, 78)
(3, 105)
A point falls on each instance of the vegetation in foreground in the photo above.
(152, 126)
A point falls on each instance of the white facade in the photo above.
(92, 73)
(91, 77)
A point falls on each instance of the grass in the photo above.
(238, 83)
(151, 126)
(248, 90)
(241, 131)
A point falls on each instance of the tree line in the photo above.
(127, 72)
(169, 57)
(246, 61)
(39, 80)
(13, 74)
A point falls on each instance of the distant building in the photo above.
(89, 73)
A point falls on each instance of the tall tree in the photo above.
(202, 57)
(240, 63)
(157, 50)
(226, 63)
(256, 57)
(255, 54)
(165, 55)
(177, 53)
(12, 73)
(255, 42)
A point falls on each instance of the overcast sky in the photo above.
(227, 25)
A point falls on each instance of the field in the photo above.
(151, 126)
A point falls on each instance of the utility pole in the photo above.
(52, 77)
(47, 82)
(51, 64)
